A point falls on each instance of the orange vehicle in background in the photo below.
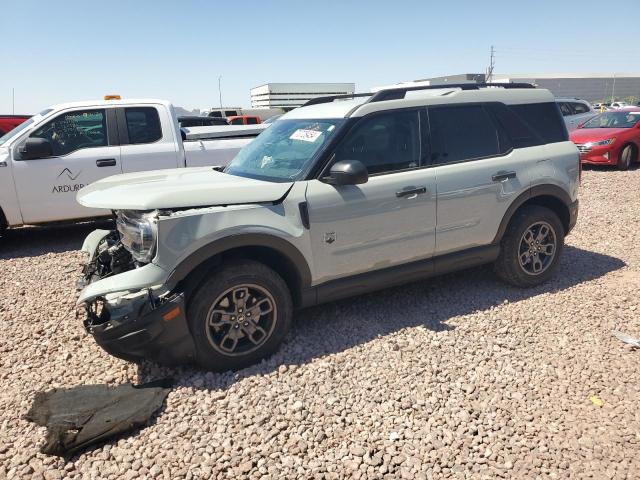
(243, 120)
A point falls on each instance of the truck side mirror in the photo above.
(36, 148)
(347, 172)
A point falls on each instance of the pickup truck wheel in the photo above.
(531, 247)
(239, 316)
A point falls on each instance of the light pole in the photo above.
(220, 90)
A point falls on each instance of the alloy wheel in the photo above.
(537, 250)
(241, 319)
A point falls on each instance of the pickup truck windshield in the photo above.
(284, 151)
(24, 125)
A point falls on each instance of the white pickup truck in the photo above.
(48, 158)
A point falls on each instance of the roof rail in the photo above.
(396, 93)
(400, 92)
(331, 98)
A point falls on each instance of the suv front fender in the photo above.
(232, 242)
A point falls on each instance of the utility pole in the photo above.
(220, 90)
(613, 89)
(492, 63)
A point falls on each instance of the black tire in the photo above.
(626, 158)
(508, 265)
(3, 223)
(234, 280)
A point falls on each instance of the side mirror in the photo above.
(347, 172)
(36, 148)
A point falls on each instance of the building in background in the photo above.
(288, 96)
(588, 86)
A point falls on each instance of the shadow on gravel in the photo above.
(609, 168)
(33, 241)
(338, 326)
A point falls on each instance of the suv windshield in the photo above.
(613, 120)
(8, 136)
(284, 151)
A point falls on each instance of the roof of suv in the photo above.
(360, 106)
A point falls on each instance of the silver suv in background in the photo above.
(343, 196)
(575, 111)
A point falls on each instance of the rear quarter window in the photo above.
(544, 119)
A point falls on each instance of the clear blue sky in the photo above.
(55, 51)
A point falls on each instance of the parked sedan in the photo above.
(611, 138)
(575, 111)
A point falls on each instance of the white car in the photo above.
(48, 158)
(575, 111)
(617, 105)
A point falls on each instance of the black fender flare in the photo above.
(277, 244)
(531, 193)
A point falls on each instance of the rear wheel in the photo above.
(239, 315)
(531, 247)
(626, 158)
(3, 223)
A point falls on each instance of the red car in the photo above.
(611, 138)
(9, 122)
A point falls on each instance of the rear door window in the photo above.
(74, 130)
(462, 133)
(143, 125)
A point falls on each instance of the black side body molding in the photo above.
(401, 274)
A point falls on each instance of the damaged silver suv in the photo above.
(343, 196)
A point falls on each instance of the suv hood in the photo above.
(178, 188)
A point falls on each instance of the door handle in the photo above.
(106, 162)
(408, 191)
(501, 176)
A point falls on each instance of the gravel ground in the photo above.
(458, 377)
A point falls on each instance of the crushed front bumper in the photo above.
(129, 320)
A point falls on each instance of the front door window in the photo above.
(74, 130)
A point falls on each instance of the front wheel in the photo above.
(240, 315)
(626, 157)
(531, 247)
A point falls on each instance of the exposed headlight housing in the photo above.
(138, 233)
(601, 143)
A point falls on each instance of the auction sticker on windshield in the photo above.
(305, 135)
